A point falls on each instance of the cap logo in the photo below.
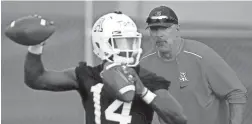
(158, 13)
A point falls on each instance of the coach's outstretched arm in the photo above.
(225, 83)
(39, 78)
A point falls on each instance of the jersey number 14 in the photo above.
(123, 118)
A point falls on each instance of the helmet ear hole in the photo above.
(97, 45)
(178, 27)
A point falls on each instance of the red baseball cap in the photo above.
(162, 16)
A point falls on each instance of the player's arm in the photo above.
(154, 92)
(166, 106)
(39, 78)
(225, 83)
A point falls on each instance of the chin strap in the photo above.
(119, 59)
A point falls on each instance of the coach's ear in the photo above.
(178, 27)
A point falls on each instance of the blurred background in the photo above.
(224, 26)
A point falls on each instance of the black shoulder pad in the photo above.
(85, 71)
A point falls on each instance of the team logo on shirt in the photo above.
(183, 76)
(183, 80)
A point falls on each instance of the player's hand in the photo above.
(36, 49)
(134, 78)
(118, 82)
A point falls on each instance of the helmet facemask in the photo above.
(126, 49)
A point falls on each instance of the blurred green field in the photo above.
(22, 105)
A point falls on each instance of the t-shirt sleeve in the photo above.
(222, 78)
(152, 81)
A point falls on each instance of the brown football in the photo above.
(118, 83)
(30, 30)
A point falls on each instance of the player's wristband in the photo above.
(149, 97)
(36, 49)
(144, 92)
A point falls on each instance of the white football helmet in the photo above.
(115, 39)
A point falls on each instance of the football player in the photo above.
(115, 41)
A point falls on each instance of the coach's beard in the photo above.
(164, 49)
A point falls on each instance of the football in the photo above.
(118, 83)
(30, 30)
